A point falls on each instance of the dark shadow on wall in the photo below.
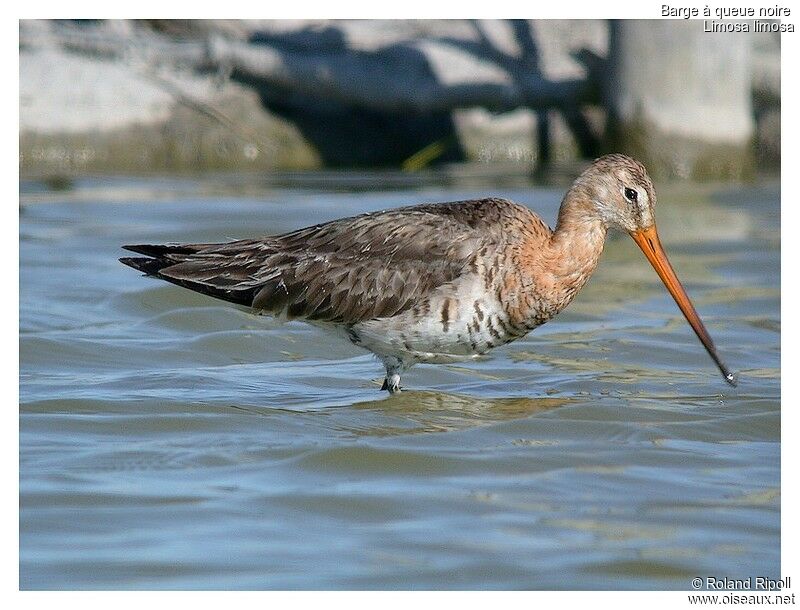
(346, 135)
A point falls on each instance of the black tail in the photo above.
(165, 250)
(160, 255)
(148, 266)
(165, 256)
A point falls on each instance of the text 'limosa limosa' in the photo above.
(437, 282)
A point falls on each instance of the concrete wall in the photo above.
(131, 96)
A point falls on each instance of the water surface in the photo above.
(168, 440)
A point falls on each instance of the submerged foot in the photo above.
(394, 366)
(392, 384)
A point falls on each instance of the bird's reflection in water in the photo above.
(415, 412)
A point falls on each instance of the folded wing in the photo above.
(345, 271)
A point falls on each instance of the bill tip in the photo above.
(732, 379)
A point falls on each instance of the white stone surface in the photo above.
(662, 80)
(59, 92)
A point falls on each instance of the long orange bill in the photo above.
(647, 240)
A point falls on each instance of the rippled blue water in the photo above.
(168, 440)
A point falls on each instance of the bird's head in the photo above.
(619, 192)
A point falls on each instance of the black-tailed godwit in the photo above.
(437, 282)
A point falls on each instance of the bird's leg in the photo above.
(394, 367)
(392, 383)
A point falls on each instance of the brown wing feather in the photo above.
(348, 270)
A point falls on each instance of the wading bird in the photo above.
(437, 282)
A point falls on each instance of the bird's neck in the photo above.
(575, 247)
(550, 267)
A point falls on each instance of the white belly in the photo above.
(454, 329)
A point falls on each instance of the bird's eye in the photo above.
(631, 194)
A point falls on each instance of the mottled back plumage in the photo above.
(345, 271)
